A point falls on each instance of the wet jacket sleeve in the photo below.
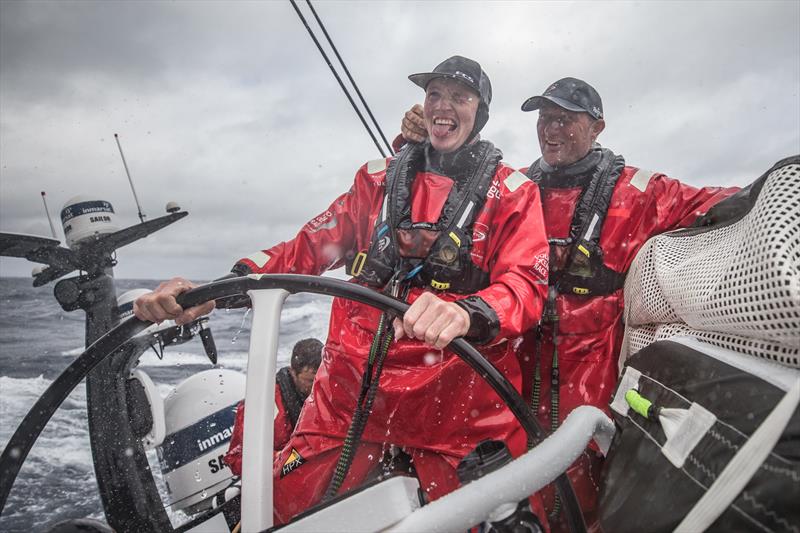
(282, 431)
(517, 255)
(233, 458)
(324, 241)
(678, 205)
(484, 324)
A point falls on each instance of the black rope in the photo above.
(336, 75)
(369, 388)
(349, 77)
(536, 388)
(551, 315)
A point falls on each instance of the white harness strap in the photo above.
(465, 214)
(590, 230)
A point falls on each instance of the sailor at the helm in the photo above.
(459, 234)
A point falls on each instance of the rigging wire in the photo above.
(349, 77)
(338, 78)
(127, 173)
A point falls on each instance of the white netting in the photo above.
(737, 287)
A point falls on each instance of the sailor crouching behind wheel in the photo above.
(462, 238)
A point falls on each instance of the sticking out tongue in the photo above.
(442, 128)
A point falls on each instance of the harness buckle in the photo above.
(455, 239)
(440, 286)
(394, 286)
(358, 264)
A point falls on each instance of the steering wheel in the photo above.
(231, 290)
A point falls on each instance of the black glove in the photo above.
(484, 324)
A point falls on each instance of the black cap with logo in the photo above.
(463, 69)
(572, 94)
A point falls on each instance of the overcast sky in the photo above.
(228, 108)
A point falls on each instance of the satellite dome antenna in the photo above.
(92, 238)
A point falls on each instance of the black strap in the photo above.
(585, 272)
(462, 275)
(369, 389)
(292, 400)
(476, 168)
(549, 316)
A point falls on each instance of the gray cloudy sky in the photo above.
(228, 108)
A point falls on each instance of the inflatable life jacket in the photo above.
(429, 254)
(292, 400)
(576, 262)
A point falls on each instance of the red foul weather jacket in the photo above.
(590, 329)
(283, 430)
(428, 399)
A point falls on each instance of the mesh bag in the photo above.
(735, 285)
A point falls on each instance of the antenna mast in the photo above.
(125, 164)
(50, 220)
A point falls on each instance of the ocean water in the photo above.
(38, 340)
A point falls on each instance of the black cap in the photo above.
(572, 94)
(462, 69)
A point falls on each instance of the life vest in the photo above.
(427, 254)
(576, 262)
(292, 400)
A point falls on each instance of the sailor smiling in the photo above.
(449, 112)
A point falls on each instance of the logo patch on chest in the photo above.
(292, 462)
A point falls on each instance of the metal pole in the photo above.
(50, 220)
(125, 164)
